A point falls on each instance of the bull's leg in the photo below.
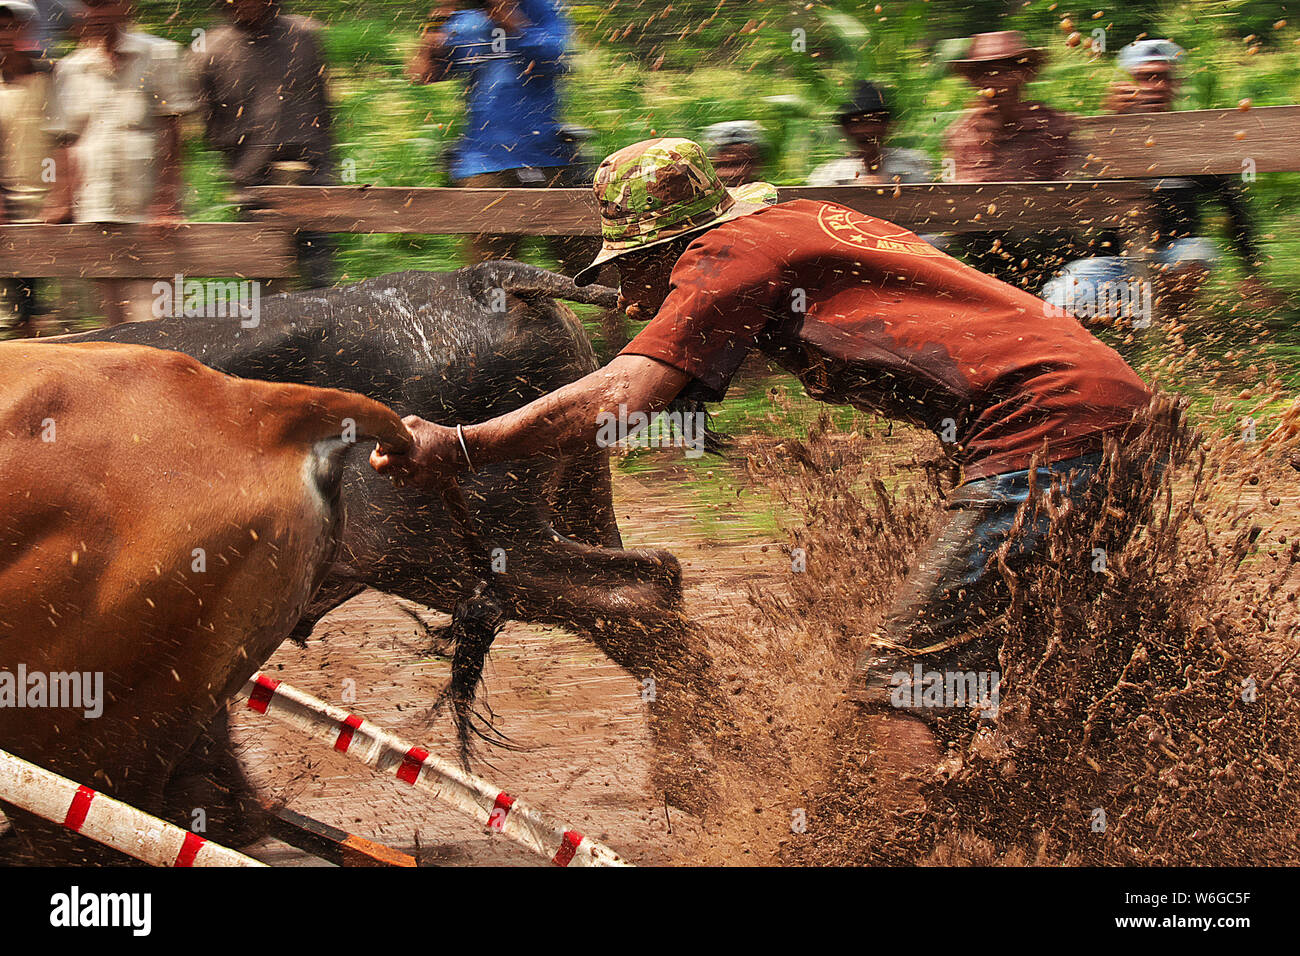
(209, 780)
(549, 578)
(210, 777)
(631, 601)
(336, 590)
(676, 677)
(582, 500)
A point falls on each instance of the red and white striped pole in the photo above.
(108, 821)
(388, 753)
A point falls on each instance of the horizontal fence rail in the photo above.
(128, 251)
(111, 822)
(489, 806)
(1262, 139)
(965, 207)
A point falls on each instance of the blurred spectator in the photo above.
(1183, 257)
(53, 22)
(738, 150)
(117, 107)
(25, 147)
(865, 121)
(512, 54)
(1004, 138)
(1151, 65)
(266, 108)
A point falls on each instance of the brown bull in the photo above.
(164, 526)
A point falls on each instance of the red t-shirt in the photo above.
(866, 313)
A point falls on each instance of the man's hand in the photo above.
(430, 63)
(1260, 294)
(434, 458)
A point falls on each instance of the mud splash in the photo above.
(1149, 710)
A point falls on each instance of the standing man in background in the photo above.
(118, 102)
(25, 147)
(738, 150)
(266, 108)
(512, 54)
(865, 121)
(1004, 137)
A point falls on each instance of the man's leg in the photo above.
(574, 253)
(29, 306)
(17, 315)
(112, 300)
(316, 269)
(138, 299)
(571, 253)
(936, 652)
(947, 593)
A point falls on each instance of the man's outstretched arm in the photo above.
(563, 420)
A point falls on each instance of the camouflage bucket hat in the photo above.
(658, 190)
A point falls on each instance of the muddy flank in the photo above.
(1148, 707)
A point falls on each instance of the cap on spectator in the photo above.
(734, 133)
(1141, 52)
(1000, 47)
(868, 98)
(21, 9)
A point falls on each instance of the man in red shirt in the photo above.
(864, 313)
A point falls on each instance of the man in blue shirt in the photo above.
(512, 53)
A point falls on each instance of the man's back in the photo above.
(866, 313)
(276, 75)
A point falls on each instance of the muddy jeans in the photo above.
(955, 586)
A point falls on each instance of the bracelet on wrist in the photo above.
(460, 433)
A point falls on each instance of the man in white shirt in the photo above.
(25, 85)
(116, 113)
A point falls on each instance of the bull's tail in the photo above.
(328, 424)
(327, 414)
(526, 282)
